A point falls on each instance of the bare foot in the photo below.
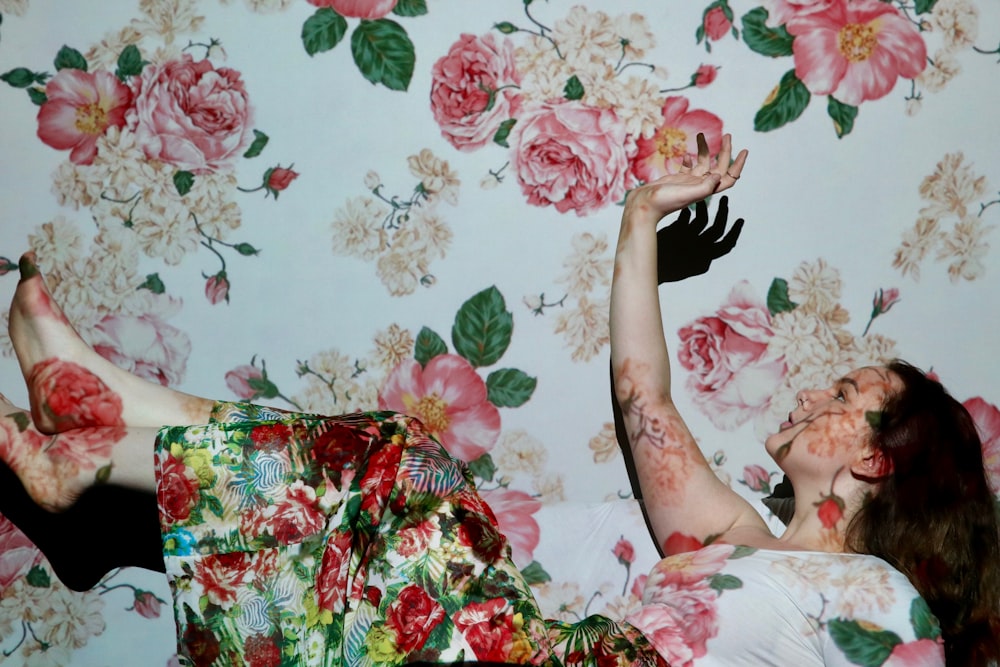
(54, 469)
(70, 386)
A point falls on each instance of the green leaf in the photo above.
(410, 8)
(38, 96)
(506, 27)
(925, 624)
(153, 283)
(257, 147)
(213, 504)
(21, 419)
(70, 58)
(38, 577)
(786, 103)
(130, 62)
(862, 645)
(19, 77)
(773, 42)
(428, 345)
(843, 116)
(183, 181)
(535, 574)
(483, 328)
(103, 474)
(384, 53)
(741, 551)
(262, 387)
(777, 297)
(924, 6)
(724, 582)
(573, 90)
(503, 132)
(323, 30)
(246, 249)
(483, 468)
(509, 387)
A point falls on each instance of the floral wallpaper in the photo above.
(333, 205)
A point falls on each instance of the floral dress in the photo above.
(293, 539)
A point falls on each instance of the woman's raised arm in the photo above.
(682, 495)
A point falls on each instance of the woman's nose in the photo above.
(804, 398)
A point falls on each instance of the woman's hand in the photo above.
(694, 182)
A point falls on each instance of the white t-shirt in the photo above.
(730, 605)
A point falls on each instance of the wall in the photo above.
(447, 179)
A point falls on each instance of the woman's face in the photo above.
(832, 423)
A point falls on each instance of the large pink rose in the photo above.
(17, 553)
(665, 631)
(449, 398)
(79, 108)
(920, 653)
(289, 520)
(732, 376)
(412, 616)
(676, 139)
(471, 90)
(780, 12)
(856, 50)
(358, 9)
(987, 418)
(145, 346)
(221, 576)
(514, 511)
(69, 396)
(191, 115)
(570, 155)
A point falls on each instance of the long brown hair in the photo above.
(934, 517)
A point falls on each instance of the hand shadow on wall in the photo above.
(684, 248)
(108, 527)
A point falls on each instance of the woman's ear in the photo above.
(872, 465)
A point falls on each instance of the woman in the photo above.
(316, 540)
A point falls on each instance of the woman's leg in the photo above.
(71, 386)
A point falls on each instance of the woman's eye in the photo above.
(840, 397)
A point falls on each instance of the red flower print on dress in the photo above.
(331, 584)
(678, 543)
(416, 539)
(145, 346)
(290, 519)
(855, 51)
(191, 115)
(660, 625)
(571, 156)
(675, 139)
(450, 399)
(79, 108)
(412, 616)
(17, 553)
(261, 651)
(177, 488)
(473, 90)
(987, 418)
(69, 396)
(359, 9)
(223, 575)
(780, 12)
(732, 376)
(489, 628)
(514, 512)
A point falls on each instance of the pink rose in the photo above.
(450, 399)
(855, 51)
(290, 519)
(146, 604)
(780, 12)
(757, 478)
(278, 179)
(716, 23)
(570, 155)
(217, 288)
(145, 346)
(412, 616)
(732, 377)
(660, 625)
(358, 9)
(72, 396)
(17, 553)
(987, 418)
(191, 115)
(514, 512)
(472, 90)
(664, 152)
(79, 108)
(244, 381)
(624, 552)
(705, 75)
(221, 576)
(919, 653)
